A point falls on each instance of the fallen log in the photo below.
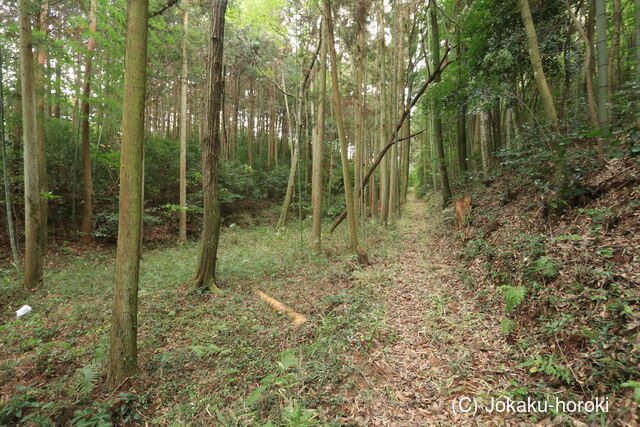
(297, 318)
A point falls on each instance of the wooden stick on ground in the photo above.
(297, 318)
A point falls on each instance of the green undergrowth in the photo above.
(204, 359)
(558, 267)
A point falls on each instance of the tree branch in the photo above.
(444, 63)
(160, 11)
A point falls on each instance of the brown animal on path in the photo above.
(463, 206)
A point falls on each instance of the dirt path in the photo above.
(448, 345)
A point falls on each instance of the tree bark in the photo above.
(40, 129)
(603, 77)
(123, 350)
(437, 122)
(32, 200)
(182, 229)
(614, 53)
(361, 8)
(86, 226)
(250, 127)
(384, 169)
(541, 84)
(588, 57)
(5, 174)
(337, 101)
(206, 272)
(318, 148)
(484, 145)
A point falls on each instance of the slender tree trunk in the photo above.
(295, 152)
(462, 138)
(603, 78)
(588, 57)
(637, 43)
(182, 229)
(86, 225)
(318, 148)
(58, 99)
(40, 128)
(534, 53)
(437, 123)
(384, 168)
(206, 272)
(541, 84)
(235, 118)
(337, 101)
(361, 8)
(484, 144)
(250, 128)
(5, 174)
(33, 217)
(615, 46)
(123, 350)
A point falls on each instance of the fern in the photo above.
(513, 296)
(86, 379)
(546, 266)
(547, 364)
(507, 325)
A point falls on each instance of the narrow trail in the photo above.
(447, 344)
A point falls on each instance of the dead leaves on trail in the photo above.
(445, 345)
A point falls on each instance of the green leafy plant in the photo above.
(23, 408)
(86, 379)
(507, 325)
(513, 296)
(636, 388)
(546, 266)
(546, 363)
(97, 415)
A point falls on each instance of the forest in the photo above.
(320, 212)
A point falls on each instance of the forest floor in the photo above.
(447, 343)
(393, 343)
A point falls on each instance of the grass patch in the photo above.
(203, 359)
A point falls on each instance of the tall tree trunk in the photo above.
(5, 174)
(40, 128)
(252, 112)
(384, 168)
(318, 148)
(615, 46)
(86, 226)
(206, 272)
(123, 350)
(603, 78)
(236, 109)
(637, 43)
(437, 123)
(541, 84)
(182, 229)
(33, 217)
(337, 101)
(295, 153)
(361, 8)
(272, 126)
(58, 99)
(393, 115)
(534, 53)
(588, 57)
(484, 144)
